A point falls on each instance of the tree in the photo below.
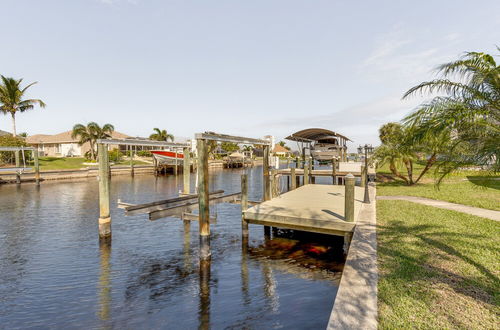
(402, 145)
(91, 133)
(161, 135)
(468, 107)
(229, 147)
(12, 99)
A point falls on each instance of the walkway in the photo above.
(484, 213)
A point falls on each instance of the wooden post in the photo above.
(266, 183)
(334, 171)
(176, 168)
(104, 215)
(306, 175)
(244, 205)
(18, 173)
(293, 178)
(37, 166)
(349, 197)
(203, 200)
(131, 161)
(274, 183)
(186, 171)
(265, 169)
(311, 167)
(363, 176)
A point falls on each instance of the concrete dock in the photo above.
(313, 208)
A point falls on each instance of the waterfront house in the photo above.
(63, 145)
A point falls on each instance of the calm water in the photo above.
(54, 274)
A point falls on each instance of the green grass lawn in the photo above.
(472, 188)
(71, 163)
(439, 269)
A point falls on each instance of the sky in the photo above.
(248, 68)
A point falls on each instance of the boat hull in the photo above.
(167, 157)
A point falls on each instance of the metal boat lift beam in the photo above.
(144, 143)
(230, 138)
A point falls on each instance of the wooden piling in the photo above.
(186, 171)
(18, 173)
(37, 167)
(244, 205)
(266, 183)
(293, 178)
(311, 167)
(104, 214)
(176, 169)
(349, 197)
(203, 199)
(265, 169)
(131, 161)
(306, 175)
(334, 171)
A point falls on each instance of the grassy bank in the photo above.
(472, 188)
(438, 268)
(71, 163)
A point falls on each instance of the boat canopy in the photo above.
(315, 134)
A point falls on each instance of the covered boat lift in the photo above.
(306, 137)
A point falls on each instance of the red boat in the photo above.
(166, 157)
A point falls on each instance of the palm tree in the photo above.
(161, 135)
(91, 133)
(470, 109)
(11, 99)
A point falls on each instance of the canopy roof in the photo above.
(314, 134)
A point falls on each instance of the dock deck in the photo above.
(313, 207)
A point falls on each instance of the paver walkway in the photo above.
(477, 211)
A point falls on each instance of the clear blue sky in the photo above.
(237, 67)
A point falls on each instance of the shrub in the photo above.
(11, 141)
(115, 155)
(144, 153)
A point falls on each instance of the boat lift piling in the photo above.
(104, 177)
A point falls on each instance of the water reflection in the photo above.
(151, 277)
(104, 282)
(204, 307)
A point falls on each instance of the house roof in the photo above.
(279, 148)
(64, 137)
(2, 133)
(314, 134)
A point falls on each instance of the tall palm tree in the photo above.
(161, 135)
(468, 105)
(91, 133)
(12, 99)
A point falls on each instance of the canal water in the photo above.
(55, 274)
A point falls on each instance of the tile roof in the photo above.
(278, 148)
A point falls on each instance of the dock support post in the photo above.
(176, 167)
(18, 174)
(131, 161)
(203, 200)
(334, 171)
(363, 177)
(186, 171)
(244, 206)
(266, 184)
(349, 197)
(37, 166)
(306, 175)
(311, 167)
(104, 215)
(349, 207)
(293, 179)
